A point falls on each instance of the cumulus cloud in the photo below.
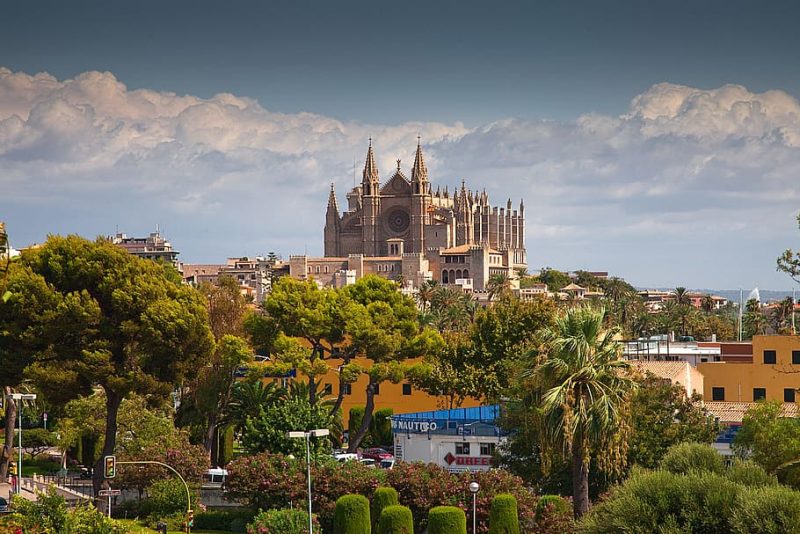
(681, 169)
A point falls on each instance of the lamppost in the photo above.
(20, 397)
(317, 433)
(474, 487)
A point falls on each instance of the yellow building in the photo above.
(773, 373)
(401, 398)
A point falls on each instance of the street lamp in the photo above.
(474, 487)
(20, 397)
(317, 433)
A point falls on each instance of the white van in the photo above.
(215, 477)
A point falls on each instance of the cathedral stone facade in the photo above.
(401, 228)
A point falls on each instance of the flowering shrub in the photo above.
(281, 522)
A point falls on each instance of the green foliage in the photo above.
(248, 398)
(356, 417)
(50, 515)
(772, 441)
(352, 515)
(685, 458)
(503, 517)
(234, 520)
(447, 520)
(383, 497)
(661, 501)
(396, 519)
(38, 440)
(662, 416)
(555, 502)
(267, 431)
(226, 445)
(166, 497)
(381, 428)
(769, 510)
(750, 474)
(554, 279)
(286, 521)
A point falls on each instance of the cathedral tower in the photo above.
(332, 226)
(370, 186)
(420, 201)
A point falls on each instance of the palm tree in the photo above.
(708, 303)
(250, 396)
(499, 285)
(425, 293)
(584, 387)
(682, 296)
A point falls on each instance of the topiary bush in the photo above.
(555, 503)
(383, 497)
(381, 427)
(396, 519)
(354, 421)
(767, 510)
(685, 457)
(286, 521)
(447, 520)
(503, 518)
(351, 515)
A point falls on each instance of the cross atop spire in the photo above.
(419, 173)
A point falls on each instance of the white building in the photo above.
(462, 439)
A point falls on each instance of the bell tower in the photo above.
(420, 201)
(370, 187)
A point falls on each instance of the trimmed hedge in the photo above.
(396, 519)
(447, 520)
(558, 504)
(684, 458)
(235, 520)
(383, 497)
(351, 515)
(503, 517)
(381, 427)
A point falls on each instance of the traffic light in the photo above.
(110, 470)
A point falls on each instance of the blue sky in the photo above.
(610, 118)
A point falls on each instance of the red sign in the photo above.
(450, 458)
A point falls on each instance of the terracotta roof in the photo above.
(733, 412)
(671, 370)
(573, 287)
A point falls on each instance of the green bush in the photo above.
(553, 504)
(767, 510)
(503, 517)
(50, 515)
(661, 501)
(351, 515)
(165, 498)
(447, 520)
(381, 427)
(750, 474)
(396, 519)
(685, 457)
(383, 497)
(287, 521)
(235, 520)
(355, 419)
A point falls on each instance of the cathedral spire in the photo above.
(332, 205)
(370, 168)
(419, 173)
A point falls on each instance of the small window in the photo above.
(462, 448)
(718, 394)
(769, 357)
(348, 389)
(328, 389)
(487, 449)
(796, 357)
(759, 394)
(788, 394)
(406, 389)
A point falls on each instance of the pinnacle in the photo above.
(419, 173)
(370, 168)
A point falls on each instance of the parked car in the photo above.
(3, 506)
(369, 462)
(387, 464)
(345, 456)
(377, 454)
(215, 476)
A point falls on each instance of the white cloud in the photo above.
(683, 167)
